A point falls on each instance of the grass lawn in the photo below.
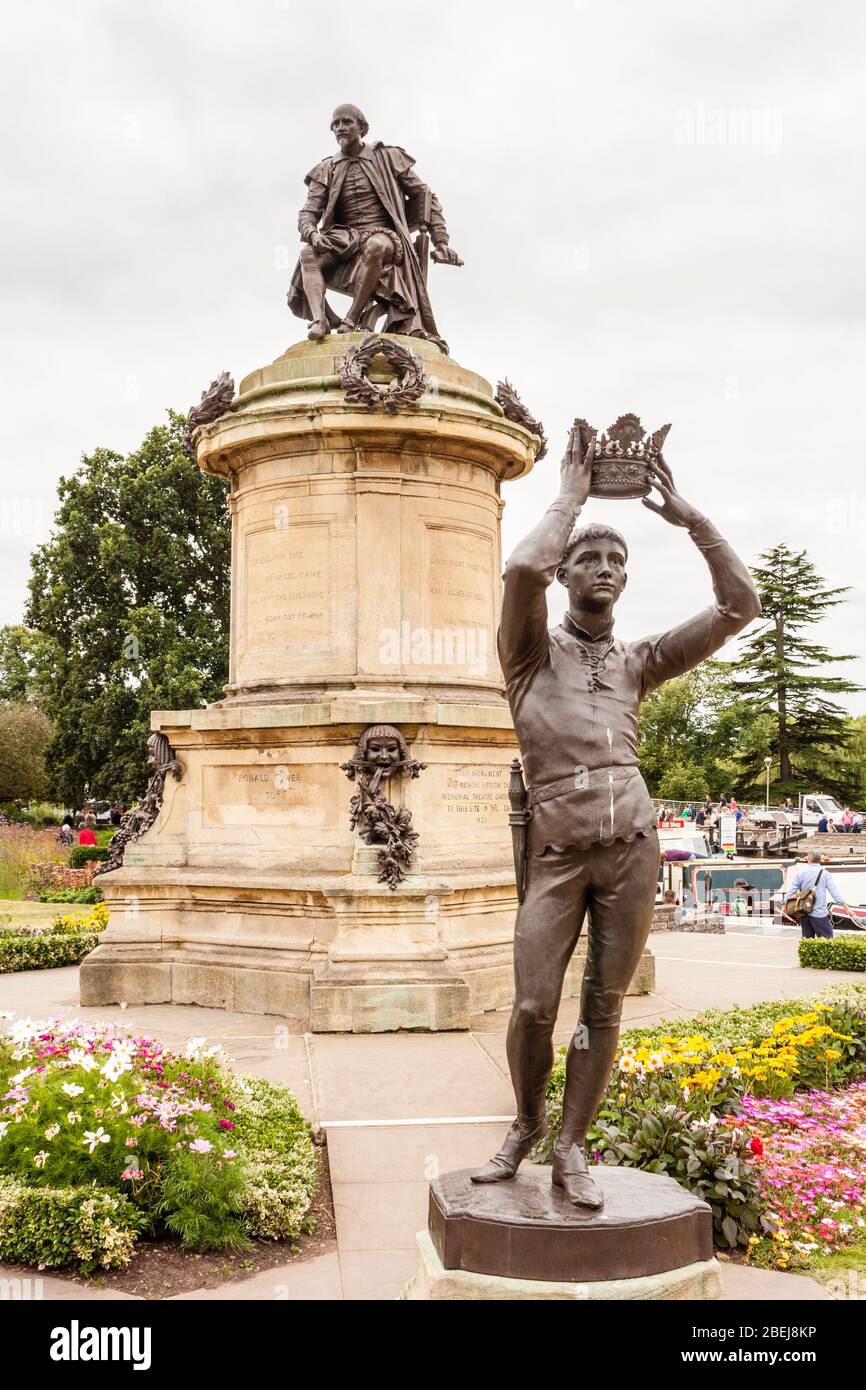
(23, 912)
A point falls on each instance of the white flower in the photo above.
(21, 1076)
(79, 1058)
(73, 1116)
(52, 1131)
(40, 1158)
(118, 1103)
(6, 1014)
(655, 1061)
(115, 1067)
(194, 1047)
(94, 1137)
(4, 1125)
(70, 1089)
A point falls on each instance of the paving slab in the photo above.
(33, 1287)
(405, 1075)
(376, 1275)
(380, 1215)
(769, 1285)
(408, 1153)
(314, 1280)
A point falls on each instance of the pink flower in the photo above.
(201, 1146)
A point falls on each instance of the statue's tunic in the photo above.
(575, 698)
(350, 197)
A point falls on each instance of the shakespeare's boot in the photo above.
(523, 1136)
(347, 326)
(571, 1173)
(318, 329)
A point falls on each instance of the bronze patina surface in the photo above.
(527, 1229)
(591, 847)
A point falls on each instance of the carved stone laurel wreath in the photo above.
(160, 756)
(381, 753)
(214, 402)
(407, 386)
(513, 409)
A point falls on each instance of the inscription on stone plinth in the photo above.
(460, 569)
(280, 794)
(469, 795)
(289, 587)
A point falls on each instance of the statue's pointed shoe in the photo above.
(519, 1141)
(571, 1174)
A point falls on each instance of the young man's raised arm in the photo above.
(531, 567)
(736, 598)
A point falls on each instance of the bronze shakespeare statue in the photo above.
(591, 840)
(356, 227)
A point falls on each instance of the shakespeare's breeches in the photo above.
(616, 885)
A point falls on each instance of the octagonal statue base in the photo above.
(523, 1240)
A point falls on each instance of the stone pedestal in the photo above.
(366, 569)
(523, 1240)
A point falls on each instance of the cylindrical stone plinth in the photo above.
(366, 587)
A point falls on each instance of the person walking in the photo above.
(86, 835)
(813, 877)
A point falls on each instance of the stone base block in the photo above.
(701, 1280)
(368, 997)
(121, 982)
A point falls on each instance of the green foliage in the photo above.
(45, 952)
(780, 674)
(40, 814)
(54, 1226)
(281, 1160)
(23, 658)
(662, 1135)
(688, 732)
(25, 733)
(128, 609)
(79, 855)
(91, 894)
(838, 953)
(202, 1200)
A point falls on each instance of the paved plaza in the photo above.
(399, 1109)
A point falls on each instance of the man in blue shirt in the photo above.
(812, 875)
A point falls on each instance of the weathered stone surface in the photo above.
(701, 1280)
(366, 588)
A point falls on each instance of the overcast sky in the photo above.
(660, 207)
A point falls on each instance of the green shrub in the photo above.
(20, 952)
(91, 894)
(281, 1160)
(79, 855)
(51, 1226)
(838, 953)
(43, 813)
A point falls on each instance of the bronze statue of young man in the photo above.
(574, 692)
(355, 225)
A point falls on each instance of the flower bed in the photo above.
(106, 1138)
(808, 1153)
(678, 1101)
(66, 940)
